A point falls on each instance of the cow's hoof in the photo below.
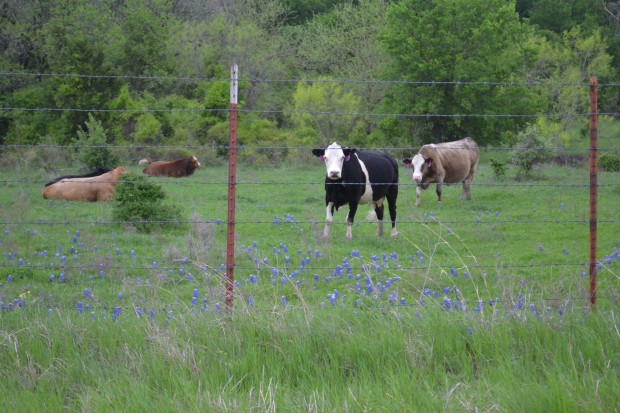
(394, 233)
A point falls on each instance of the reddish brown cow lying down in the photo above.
(176, 169)
(97, 188)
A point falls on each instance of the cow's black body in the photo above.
(351, 187)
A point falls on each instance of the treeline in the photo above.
(156, 72)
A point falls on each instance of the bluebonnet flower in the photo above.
(284, 301)
(20, 262)
(446, 290)
(194, 299)
(332, 298)
(403, 301)
(453, 271)
(52, 278)
(116, 313)
(120, 296)
(102, 273)
(253, 279)
(79, 307)
(138, 312)
(469, 330)
(9, 278)
(251, 300)
(87, 293)
(61, 276)
(152, 313)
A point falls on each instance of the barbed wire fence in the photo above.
(265, 112)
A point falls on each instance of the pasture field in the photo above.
(475, 306)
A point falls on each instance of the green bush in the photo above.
(93, 151)
(530, 149)
(609, 163)
(499, 168)
(140, 203)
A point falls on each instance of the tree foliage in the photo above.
(157, 72)
(455, 43)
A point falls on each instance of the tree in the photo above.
(454, 43)
(326, 108)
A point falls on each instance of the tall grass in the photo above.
(476, 306)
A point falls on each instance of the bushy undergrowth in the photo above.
(609, 163)
(140, 204)
(530, 149)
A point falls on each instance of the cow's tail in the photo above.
(371, 216)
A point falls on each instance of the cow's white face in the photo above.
(334, 157)
(417, 164)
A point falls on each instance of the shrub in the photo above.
(499, 168)
(609, 163)
(93, 151)
(140, 203)
(530, 149)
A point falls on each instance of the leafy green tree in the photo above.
(565, 67)
(93, 151)
(448, 41)
(342, 44)
(324, 106)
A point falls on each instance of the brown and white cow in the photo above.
(176, 169)
(97, 188)
(444, 163)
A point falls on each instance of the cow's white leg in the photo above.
(394, 233)
(418, 193)
(349, 230)
(328, 219)
(380, 227)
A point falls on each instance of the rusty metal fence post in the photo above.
(593, 187)
(232, 182)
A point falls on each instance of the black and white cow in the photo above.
(355, 177)
(444, 163)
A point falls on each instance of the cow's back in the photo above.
(382, 170)
(456, 159)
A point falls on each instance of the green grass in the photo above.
(312, 340)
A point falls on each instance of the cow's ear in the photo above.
(428, 162)
(348, 152)
(319, 153)
(407, 162)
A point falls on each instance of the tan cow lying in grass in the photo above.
(97, 188)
